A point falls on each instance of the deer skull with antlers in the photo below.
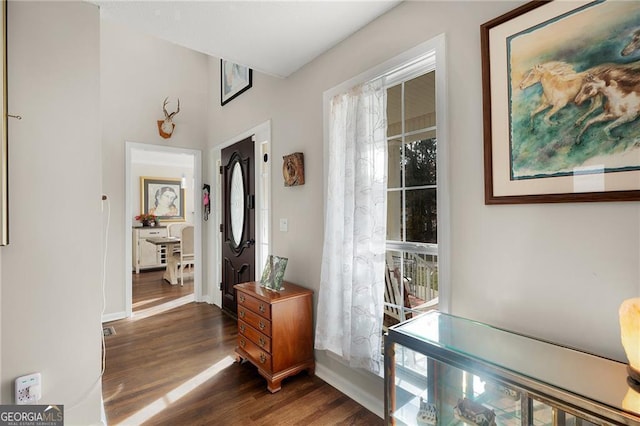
(166, 126)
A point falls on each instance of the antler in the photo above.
(164, 108)
(164, 105)
(176, 111)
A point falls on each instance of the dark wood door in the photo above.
(238, 220)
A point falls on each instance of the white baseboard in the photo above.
(370, 402)
(114, 316)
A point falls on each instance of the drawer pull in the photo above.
(263, 358)
(242, 328)
(241, 314)
(262, 341)
(241, 298)
(262, 325)
(262, 308)
(242, 342)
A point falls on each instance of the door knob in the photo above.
(249, 243)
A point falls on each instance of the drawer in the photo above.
(254, 320)
(254, 335)
(149, 232)
(258, 356)
(256, 305)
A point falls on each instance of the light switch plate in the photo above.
(284, 225)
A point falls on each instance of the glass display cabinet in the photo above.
(445, 370)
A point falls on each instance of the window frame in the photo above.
(400, 68)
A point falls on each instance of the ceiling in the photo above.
(272, 37)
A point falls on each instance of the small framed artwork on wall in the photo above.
(235, 79)
(293, 169)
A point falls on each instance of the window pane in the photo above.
(421, 271)
(420, 102)
(393, 292)
(411, 284)
(394, 163)
(394, 215)
(420, 159)
(394, 110)
(422, 216)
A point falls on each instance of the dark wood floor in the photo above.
(173, 364)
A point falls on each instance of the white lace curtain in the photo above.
(350, 300)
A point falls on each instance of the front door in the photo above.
(238, 220)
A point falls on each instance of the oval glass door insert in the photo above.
(236, 201)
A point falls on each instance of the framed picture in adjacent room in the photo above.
(162, 197)
(235, 79)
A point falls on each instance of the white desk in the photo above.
(171, 272)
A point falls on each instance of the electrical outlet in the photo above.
(28, 389)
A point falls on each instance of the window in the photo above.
(417, 240)
(412, 210)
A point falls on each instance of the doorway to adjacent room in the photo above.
(161, 161)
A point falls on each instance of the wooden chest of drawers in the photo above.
(275, 330)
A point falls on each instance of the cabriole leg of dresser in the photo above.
(311, 370)
(274, 385)
(274, 380)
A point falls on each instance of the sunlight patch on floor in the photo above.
(155, 310)
(146, 302)
(161, 403)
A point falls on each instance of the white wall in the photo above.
(553, 271)
(51, 271)
(137, 73)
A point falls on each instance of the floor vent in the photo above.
(108, 331)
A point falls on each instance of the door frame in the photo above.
(129, 214)
(262, 145)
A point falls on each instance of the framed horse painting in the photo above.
(561, 102)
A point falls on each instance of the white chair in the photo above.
(397, 306)
(174, 230)
(392, 296)
(186, 257)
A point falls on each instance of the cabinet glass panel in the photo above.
(428, 392)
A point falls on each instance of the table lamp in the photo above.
(630, 334)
